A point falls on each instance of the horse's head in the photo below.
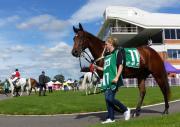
(80, 41)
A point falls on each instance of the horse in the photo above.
(150, 63)
(32, 84)
(90, 80)
(21, 83)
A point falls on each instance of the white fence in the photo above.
(150, 82)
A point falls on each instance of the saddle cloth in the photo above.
(132, 57)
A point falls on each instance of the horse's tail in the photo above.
(167, 87)
(161, 71)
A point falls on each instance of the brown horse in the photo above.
(150, 63)
(33, 84)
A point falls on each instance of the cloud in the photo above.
(59, 58)
(44, 23)
(7, 20)
(93, 10)
(31, 60)
(48, 24)
(16, 48)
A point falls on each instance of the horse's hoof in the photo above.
(165, 112)
(135, 114)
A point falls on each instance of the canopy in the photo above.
(69, 81)
(57, 82)
(170, 68)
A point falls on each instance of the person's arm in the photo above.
(98, 67)
(120, 68)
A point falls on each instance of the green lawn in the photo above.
(172, 120)
(74, 102)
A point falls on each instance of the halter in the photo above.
(89, 59)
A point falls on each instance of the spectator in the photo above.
(42, 83)
(6, 87)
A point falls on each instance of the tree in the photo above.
(59, 78)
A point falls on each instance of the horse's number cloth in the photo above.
(132, 57)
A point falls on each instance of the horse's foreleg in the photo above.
(28, 90)
(95, 88)
(86, 88)
(12, 92)
(21, 91)
(142, 92)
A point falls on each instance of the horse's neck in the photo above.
(96, 47)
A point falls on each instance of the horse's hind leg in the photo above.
(30, 90)
(34, 90)
(21, 91)
(163, 84)
(142, 92)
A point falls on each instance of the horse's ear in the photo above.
(75, 29)
(80, 27)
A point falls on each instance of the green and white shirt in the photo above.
(110, 71)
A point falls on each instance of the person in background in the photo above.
(50, 85)
(42, 84)
(65, 85)
(15, 76)
(112, 79)
(6, 87)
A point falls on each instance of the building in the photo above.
(134, 27)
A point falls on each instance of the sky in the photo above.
(37, 35)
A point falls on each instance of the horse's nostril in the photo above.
(74, 53)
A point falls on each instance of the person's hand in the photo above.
(95, 66)
(115, 80)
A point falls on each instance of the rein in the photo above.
(91, 61)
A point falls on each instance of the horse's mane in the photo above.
(95, 37)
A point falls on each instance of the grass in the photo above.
(61, 102)
(172, 120)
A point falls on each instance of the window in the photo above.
(173, 53)
(178, 54)
(178, 33)
(172, 33)
(167, 34)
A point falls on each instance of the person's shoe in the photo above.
(108, 121)
(127, 114)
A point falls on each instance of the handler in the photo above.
(112, 79)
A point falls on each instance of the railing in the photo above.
(124, 30)
(150, 82)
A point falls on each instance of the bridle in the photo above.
(84, 54)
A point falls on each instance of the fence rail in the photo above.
(124, 29)
(132, 82)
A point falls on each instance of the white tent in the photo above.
(57, 82)
(50, 83)
(70, 81)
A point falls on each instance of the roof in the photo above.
(142, 18)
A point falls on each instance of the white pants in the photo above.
(14, 79)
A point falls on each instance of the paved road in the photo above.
(77, 120)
